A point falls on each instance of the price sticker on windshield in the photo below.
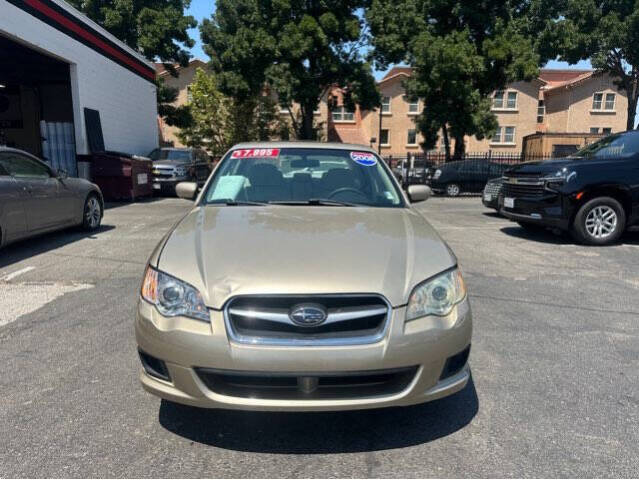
(256, 153)
(364, 158)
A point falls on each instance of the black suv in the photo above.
(464, 176)
(593, 194)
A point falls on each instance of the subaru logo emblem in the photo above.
(307, 314)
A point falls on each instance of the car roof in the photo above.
(306, 144)
(17, 150)
(11, 149)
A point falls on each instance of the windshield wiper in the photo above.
(232, 203)
(314, 202)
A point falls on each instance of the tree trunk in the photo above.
(446, 143)
(633, 96)
(307, 131)
(460, 148)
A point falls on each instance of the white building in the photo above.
(57, 69)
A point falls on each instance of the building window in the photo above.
(594, 129)
(601, 103)
(386, 104)
(596, 101)
(384, 137)
(340, 114)
(411, 138)
(610, 101)
(504, 135)
(413, 104)
(541, 111)
(606, 131)
(504, 100)
(509, 134)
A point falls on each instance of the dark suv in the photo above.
(593, 194)
(464, 176)
(174, 165)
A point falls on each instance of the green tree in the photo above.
(461, 52)
(177, 116)
(210, 116)
(156, 28)
(606, 33)
(217, 122)
(296, 48)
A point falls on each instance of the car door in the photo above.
(481, 175)
(13, 224)
(466, 174)
(46, 201)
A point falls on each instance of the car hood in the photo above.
(169, 163)
(225, 251)
(542, 167)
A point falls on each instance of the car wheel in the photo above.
(453, 190)
(600, 221)
(92, 213)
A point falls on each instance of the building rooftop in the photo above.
(160, 69)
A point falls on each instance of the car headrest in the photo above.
(339, 178)
(264, 174)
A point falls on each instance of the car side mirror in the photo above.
(62, 174)
(419, 193)
(186, 190)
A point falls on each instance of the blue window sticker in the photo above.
(364, 158)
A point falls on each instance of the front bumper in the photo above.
(163, 184)
(187, 346)
(492, 203)
(551, 210)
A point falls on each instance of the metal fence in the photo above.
(469, 173)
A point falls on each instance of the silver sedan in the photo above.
(35, 199)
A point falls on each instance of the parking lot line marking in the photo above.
(17, 273)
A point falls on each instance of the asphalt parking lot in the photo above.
(555, 364)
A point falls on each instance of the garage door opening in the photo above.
(36, 107)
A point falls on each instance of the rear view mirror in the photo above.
(419, 193)
(62, 174)
(186, 190)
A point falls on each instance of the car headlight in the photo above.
(436, 296)
(173, 297)
(559, 178)
(437, 174)
(180, 172)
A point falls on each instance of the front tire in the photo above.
(453, 190)
(600, 221)
(93, 212)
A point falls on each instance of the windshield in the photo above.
(302, 176)
(620, 145)
(170, 154)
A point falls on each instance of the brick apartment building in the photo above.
(565, 107)
(581, 103)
